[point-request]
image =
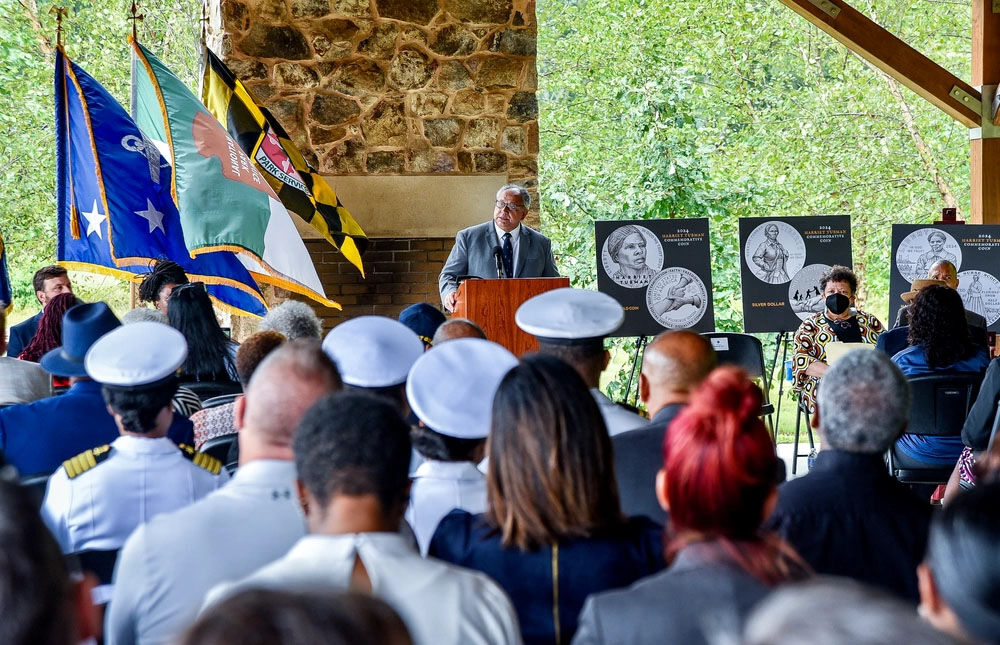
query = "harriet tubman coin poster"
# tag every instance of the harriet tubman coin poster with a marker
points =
(774, 251)
(660, 271)
(922, 248)
(974, 249)
(631, 256)
(804, 294)
(783, 259)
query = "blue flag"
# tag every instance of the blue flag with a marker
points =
(115, 210)
(6, 296)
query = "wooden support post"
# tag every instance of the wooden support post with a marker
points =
(984, 156)
(893, 56)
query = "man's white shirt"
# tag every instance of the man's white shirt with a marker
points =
(438, 487)
(616, 418)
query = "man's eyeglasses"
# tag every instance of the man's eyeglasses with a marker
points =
(506, 206)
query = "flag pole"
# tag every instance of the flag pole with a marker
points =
(60, 14)
(136, 17)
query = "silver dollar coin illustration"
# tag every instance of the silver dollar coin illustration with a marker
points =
(804, 295)
(631, 256)
(980, 293)
(676, 298)
(919, 250)
(774, 252)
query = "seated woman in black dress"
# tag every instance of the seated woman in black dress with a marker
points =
(211, 355)
(719, 481)
(553, 532)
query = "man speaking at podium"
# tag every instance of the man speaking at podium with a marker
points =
(500, 248)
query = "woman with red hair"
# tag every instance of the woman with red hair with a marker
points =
(718, 484)
(49, 334)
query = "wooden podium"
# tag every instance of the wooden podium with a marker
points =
(491, 304)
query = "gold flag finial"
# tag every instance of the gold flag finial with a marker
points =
(136, 17)
(204, 24)
(60, 14)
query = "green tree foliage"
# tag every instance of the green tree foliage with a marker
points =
(94, 36)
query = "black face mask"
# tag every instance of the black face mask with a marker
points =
(837, 303)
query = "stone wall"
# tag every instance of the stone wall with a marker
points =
(367, 87)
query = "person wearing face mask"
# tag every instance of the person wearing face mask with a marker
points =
(839, 321)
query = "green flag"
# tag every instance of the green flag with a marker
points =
(225, 203)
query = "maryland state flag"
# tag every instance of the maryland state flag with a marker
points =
(6, 296)
(297, 184)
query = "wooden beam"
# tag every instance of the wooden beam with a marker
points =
(893, 56)
(984, 149)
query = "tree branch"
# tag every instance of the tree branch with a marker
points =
(30, 8)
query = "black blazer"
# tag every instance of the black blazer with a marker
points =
(638, 457)
(21, 335)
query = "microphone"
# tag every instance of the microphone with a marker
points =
(498, 256)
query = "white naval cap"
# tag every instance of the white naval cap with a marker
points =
(451, 386)
(373, 351)
(569, 316)
(136, 354)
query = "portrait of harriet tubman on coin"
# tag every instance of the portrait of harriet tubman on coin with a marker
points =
(631, 256)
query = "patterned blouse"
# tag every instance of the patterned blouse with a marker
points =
(810, 346)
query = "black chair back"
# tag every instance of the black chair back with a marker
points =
(207, 390)
(100, 563)
(223, 399)
(742, 350)
(35, 485)
(225, 448)
(939, 406)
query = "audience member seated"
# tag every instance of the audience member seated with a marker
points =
(48, 283)
(673, 365)
(185, 402)
(941, 343)
(352, 452)
(20, 381)
(159, 283)
(269, 617)
(553, 528)
(943, 272)
(838, 322)
(898, 338)
(232, 532)
(217, 421)
(718, 480)
(837, 611)
(210, 356)
(423, 320)
(571, 325)
(959, 578)
(848, 516)
(49, 334)
(457, 328)
(374, 354)
(37, 437)
(97, 498)
(294, 320)
(976, 431)
(451, 438)
(39, 602)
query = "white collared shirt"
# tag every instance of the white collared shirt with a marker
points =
(438, 487)
(139, 479)
(616, 418)
(168, 565)
(515, 243)
(440, 603)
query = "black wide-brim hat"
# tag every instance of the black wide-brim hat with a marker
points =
(82, 325)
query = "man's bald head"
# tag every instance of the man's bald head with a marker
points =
(282, 388)
(945, 271)
(673, 365)
(457, 328)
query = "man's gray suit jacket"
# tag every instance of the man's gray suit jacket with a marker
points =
(473, 255)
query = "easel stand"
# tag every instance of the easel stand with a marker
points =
(781, 342)
(640, 345)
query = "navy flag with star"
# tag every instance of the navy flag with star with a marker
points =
(116, 213)
(6, 296)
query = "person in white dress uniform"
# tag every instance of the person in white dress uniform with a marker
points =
(253, 520)
(352, 451)
(451, 390)
(97, 498)
(571, 324)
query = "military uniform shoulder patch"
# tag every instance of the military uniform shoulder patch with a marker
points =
(76, 466)
(201, 459)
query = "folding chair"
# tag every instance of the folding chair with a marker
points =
(744, 351)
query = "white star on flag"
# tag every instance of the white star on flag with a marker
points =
(272, 138)
(285, 163)
(153, 216)
(94, 219)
